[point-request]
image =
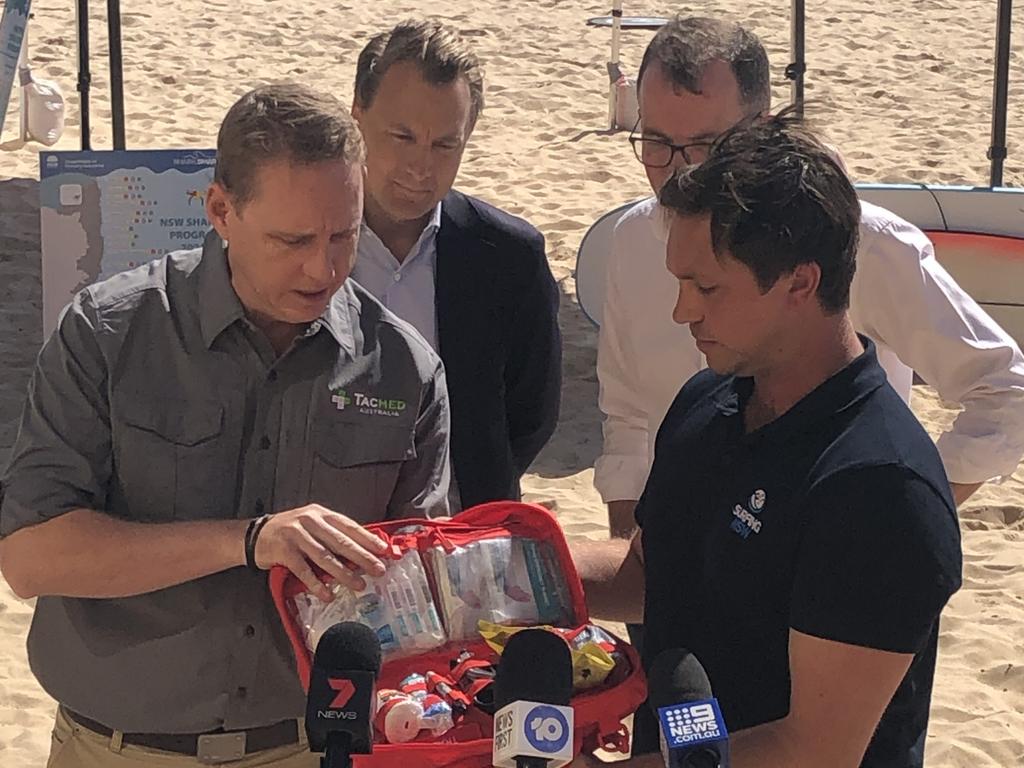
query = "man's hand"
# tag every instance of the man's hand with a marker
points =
(963, 491)
(314, 535)
(612, 573)
(621, 518)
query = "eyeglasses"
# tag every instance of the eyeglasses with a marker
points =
(659, 153)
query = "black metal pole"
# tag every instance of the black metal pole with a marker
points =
(116, 71)
(797, 66)
(84, 78)
(997, 149)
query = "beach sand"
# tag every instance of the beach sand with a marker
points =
(902, 88)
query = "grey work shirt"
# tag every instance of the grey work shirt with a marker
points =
(156, 401)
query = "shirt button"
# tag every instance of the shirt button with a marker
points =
(259, 506)
(250, 631)
(241, 692)
(264, 443)
(398, 276)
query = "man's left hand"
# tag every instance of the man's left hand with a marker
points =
(963, 491)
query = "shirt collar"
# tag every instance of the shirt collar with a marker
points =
(662, 218)
(429, 230)
(862, 376)
(434, 223)
(219, 305)
(337, 318)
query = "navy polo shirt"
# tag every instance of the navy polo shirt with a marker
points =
(835, 519)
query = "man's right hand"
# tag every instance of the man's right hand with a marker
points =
(621, 518)
(314, 535)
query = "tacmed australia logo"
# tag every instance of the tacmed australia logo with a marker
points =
(745, 520)
(340, 399)
(372, 405)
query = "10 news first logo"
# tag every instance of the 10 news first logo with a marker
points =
(689, 725)
(526, 729)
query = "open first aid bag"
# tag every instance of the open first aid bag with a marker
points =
(440, 611)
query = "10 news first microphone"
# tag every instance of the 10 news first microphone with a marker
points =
(533, 722)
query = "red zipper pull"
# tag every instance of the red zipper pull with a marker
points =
(438, 535)
(618, 741)
(393, 551)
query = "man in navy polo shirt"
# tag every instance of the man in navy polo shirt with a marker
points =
(797, 530)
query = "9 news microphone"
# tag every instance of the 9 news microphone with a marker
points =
(342, 698)
(693, 733)
(533, 723)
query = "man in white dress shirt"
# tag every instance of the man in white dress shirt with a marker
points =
(699, 77)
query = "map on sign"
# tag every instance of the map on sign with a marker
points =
(105, 212)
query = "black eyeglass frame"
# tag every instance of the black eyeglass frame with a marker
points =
(636, 139)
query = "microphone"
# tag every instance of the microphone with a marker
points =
(693, 733)
(533, 724)
(341, 700)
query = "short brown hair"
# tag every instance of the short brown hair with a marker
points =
(282, 122)
(685, 46)
(777, 198)
(441, 55)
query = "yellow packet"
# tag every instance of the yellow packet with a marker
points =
(591, 664)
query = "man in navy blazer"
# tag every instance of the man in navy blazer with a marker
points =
(473, 280)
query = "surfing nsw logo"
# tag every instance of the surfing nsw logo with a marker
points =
(745, 519)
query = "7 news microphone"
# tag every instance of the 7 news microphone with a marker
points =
(533, 722)
(342, 694)
(693, 733)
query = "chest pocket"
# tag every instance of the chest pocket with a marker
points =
(355, 467)
(173, 461)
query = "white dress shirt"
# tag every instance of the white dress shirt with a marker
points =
(901, 298)
(406, 287)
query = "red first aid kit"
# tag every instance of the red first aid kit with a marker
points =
(538, 585)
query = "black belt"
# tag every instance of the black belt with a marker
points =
(256, 739)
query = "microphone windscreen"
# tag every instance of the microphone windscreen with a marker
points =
(676, 677)
(349, 645)
(536, 665)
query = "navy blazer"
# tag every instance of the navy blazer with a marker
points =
(497, 330)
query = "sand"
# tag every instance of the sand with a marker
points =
(902, 88)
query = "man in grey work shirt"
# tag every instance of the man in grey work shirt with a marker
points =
(177, 403)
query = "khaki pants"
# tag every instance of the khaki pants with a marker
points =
(75, 747)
